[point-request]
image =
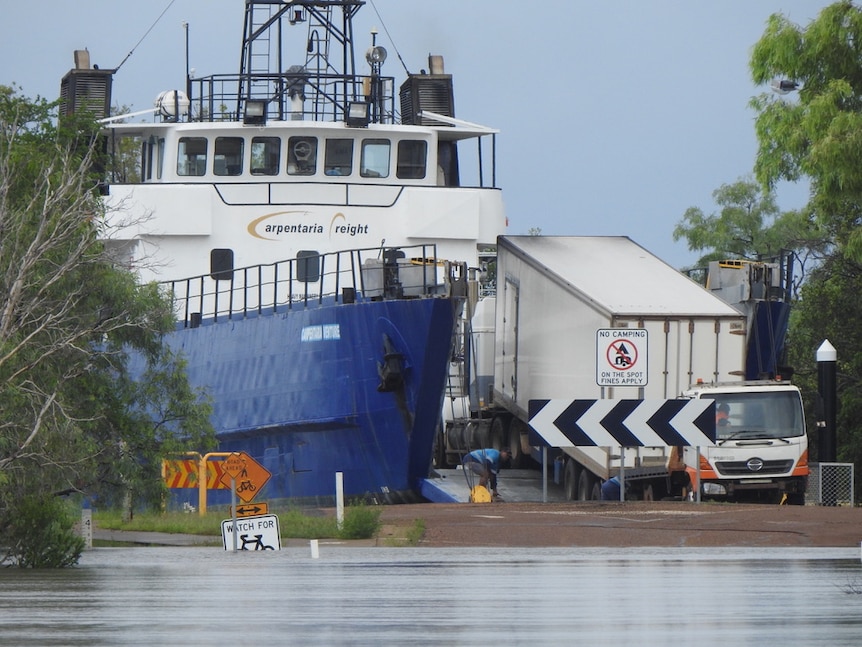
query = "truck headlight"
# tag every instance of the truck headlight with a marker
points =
(714, 489)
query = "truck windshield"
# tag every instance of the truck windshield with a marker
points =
(758, 414)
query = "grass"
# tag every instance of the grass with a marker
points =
(360, 522)
(170, 522)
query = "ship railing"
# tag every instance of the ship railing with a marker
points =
(343, 277)
(219, 97)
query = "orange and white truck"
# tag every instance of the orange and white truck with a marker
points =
(538, 338)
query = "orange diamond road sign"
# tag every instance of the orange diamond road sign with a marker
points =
(250, 475)
(184, 474)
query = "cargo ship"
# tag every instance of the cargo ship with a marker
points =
(316, 226)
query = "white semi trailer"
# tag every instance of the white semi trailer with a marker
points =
(557, 300)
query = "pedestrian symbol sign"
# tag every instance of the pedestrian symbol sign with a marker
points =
(233, 465)
(621, 357)
(249, 475)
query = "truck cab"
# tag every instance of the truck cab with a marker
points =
(761, 449)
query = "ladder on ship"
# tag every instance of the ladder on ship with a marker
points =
(256, 54)
(455, 380)
(327, 82)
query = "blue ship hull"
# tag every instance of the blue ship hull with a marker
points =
(302, 392)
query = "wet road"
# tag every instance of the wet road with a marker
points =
(441, 596)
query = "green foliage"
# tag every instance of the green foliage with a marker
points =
(169, 522)
(818, 132)
(296, 524)
(39, 532)
(416, 532)
(750, 226)
(828, 311)
(124, 166)
(360, 522)
(74, 419)
(740, 230)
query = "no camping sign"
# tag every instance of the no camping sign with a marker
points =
(621, 357)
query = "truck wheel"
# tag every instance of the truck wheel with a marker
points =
(570, 481)
(514, 444)
(649, 495)
(499, 432)
(797, 498)
(586, 484)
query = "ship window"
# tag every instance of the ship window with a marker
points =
(160, 158)
(375, 158)
(153, 152)
(412, 159)
(221, 264)
(308, 266)
(339, 157)
(192, 156)
(147, 159)
(301, 155)
(228, 156)
(265, 155)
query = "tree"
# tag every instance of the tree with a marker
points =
(125, 158)
(75, 418)
(750, 226)
(828, 311)
(816, 133)
(741, 230)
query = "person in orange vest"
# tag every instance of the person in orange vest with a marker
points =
(722, 415)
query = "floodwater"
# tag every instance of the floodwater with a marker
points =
(429, 596)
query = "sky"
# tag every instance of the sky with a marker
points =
(615, 117)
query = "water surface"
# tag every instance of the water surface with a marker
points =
(439, 596)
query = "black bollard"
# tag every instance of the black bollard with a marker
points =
(827, 447)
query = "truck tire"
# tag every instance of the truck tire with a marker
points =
(648, 494)
(514, 444)
(570, 480)
(480, 437)
(499, 432)
(797, 498)
(588, 487)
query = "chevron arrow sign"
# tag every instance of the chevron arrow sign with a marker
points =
(622, 423)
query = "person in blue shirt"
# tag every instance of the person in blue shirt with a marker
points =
(486, 464)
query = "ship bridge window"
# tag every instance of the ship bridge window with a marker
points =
(374, 161)
(228, 156)
(265, 155)
(152, 152)
(192, 156)
(339, 157)
(301, 156)
(160, 157)
(147, 159)
(412, 159)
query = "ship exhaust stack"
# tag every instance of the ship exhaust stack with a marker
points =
(427, 92)
(86, 88)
